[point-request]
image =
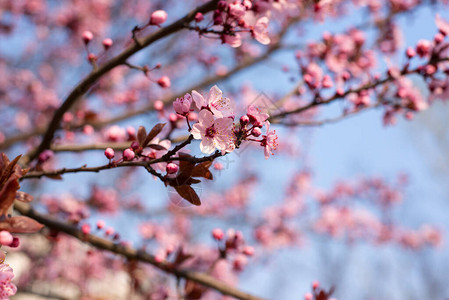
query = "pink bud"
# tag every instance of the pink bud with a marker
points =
(107, 43)
(100, 224)
(5, 238)
(244, 120)
(308, 296)
(128, 154)
(158, 17)
(315, 284)
(239, 262)
(217, 234)
(131, 131)
(172, 168)
(158, 105)
(173, 118)
(88, 129)
(430, 69)
(193, 116)
(164, 82)
(410, 52)
(109, 231)
(409, 115)
(15, 242)
(87, 36)
(109, 153)
(438, 38)
(248, 251)
(218, 166)
(327, 82)
(135, 145)
(91, 57)
(256, 131)
(85, 228)
(199, 17)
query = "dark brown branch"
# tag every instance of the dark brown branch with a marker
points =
(145, 164)
(132, 254)
(96, 74)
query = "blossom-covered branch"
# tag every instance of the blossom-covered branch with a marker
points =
(132, 254)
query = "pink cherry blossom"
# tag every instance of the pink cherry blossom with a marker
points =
(220, 106)
(269, 141)
(234, 41)
(256, 116)
(259, 32)
(443, 25)
(7, 288)
(182, 104)
(214, 134)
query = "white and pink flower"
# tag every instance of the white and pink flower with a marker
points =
(260, 32)
(182, 104)
(214, 133)
(269, 141)
(220, 106)
(7, 288)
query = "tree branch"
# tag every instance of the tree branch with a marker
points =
(131, 253)
(96, 74)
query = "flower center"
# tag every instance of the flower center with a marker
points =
(210, 132)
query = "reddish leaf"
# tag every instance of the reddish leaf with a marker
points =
(156, 147)
(185, 171)
(193, 290)
(181, 256)
(141, 136)
(90, 116)
(24, 197)
(186, 192)
(8, 168)
(155, 131)
(20, 224)
(202, 170)
(8, 194)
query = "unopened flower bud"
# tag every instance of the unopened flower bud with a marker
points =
(248, 251)
(164, 82)
(107, 43)
(5, 238)
(158, 105)
(308, 296)
(173, 118)
(315, 284)
(244, 120)
(172, 168)
(199, 17)
(100, 224)
(87, 36)
(410, 52)
(85, 228)
(135, 145)
(91, 57)
(158, 17)
(256, 131)
(15, 242)
(217, 234)
(109, 153)
(128, 154)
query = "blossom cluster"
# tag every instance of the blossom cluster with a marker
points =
(235, 17)
(216, 128)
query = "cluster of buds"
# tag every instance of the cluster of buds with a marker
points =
(233, 243)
